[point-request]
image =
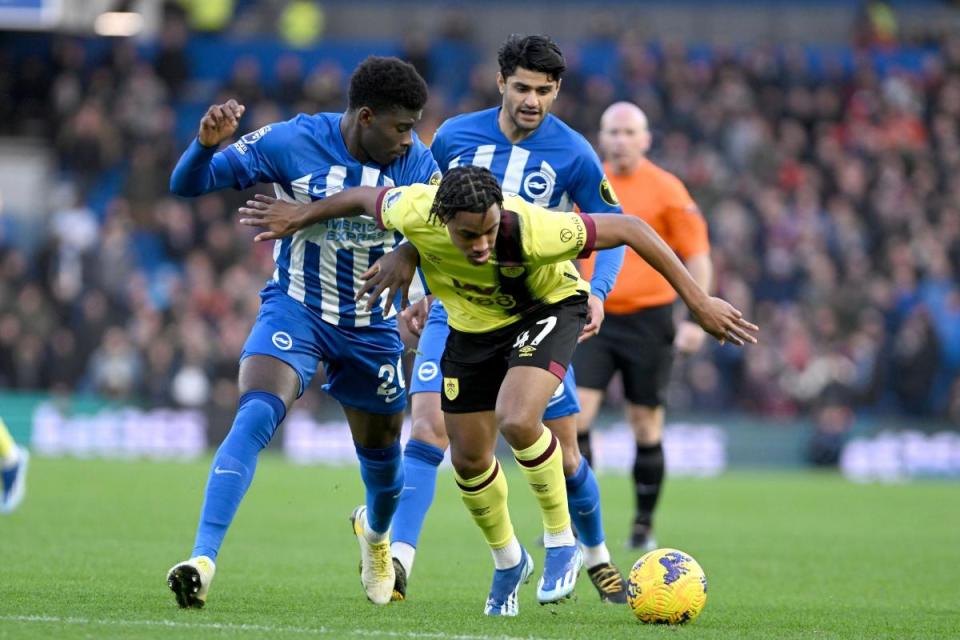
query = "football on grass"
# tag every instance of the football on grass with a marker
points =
(667, 586)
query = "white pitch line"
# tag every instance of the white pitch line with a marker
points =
(227, 626)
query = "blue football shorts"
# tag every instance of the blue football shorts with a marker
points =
(362, 364)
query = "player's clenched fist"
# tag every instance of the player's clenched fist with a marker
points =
(220, 122)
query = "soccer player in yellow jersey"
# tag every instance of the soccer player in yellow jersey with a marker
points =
(13, 471)
(516, 305)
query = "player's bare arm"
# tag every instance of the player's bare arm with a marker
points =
(690, 336)
(716, 316)
(220, 122)
(280, 218)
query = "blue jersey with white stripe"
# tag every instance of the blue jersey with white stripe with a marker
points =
(307, 159)
(554, 167)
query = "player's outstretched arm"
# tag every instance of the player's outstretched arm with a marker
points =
(197, 172)
(716, 316)
(280, 219)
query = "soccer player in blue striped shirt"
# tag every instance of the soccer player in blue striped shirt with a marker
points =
(536, 156)
(307, 313)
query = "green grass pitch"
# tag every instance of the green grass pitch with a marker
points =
(786, 555)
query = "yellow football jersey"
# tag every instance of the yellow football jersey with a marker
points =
(531, 264)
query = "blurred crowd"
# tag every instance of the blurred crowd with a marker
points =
(833, 214)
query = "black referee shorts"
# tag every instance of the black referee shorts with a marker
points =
(475, 364)
(640, 346)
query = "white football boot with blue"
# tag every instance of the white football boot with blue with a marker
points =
(561, 566)
(502, 600)
(14, 480)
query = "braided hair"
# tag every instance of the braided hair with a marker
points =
(465, 188)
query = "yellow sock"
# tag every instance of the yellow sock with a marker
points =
(7, 447)
(542, 464)
(486, 498)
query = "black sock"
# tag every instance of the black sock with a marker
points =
(583, 442)
(647, 479)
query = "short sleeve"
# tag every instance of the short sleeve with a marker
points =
(422, 168)
(398, 208)
(550, 237)
(438, 148)
(256, 156)
(386, 213)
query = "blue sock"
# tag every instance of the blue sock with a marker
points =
(382, 473)
(420, 462)
(583, 499)
(258, 415)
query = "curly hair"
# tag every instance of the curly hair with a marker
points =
(386, 84)
(465, 188)
(535, 53)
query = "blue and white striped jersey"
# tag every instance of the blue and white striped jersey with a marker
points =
(555, 167)
(306, 159)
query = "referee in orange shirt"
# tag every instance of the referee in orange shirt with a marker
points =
(638, 337)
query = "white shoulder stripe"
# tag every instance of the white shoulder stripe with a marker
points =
(513, 178)
(484, 155)
(335, 178)
(369, 177)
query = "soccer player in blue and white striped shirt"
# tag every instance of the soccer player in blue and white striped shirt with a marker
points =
(308, 313)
